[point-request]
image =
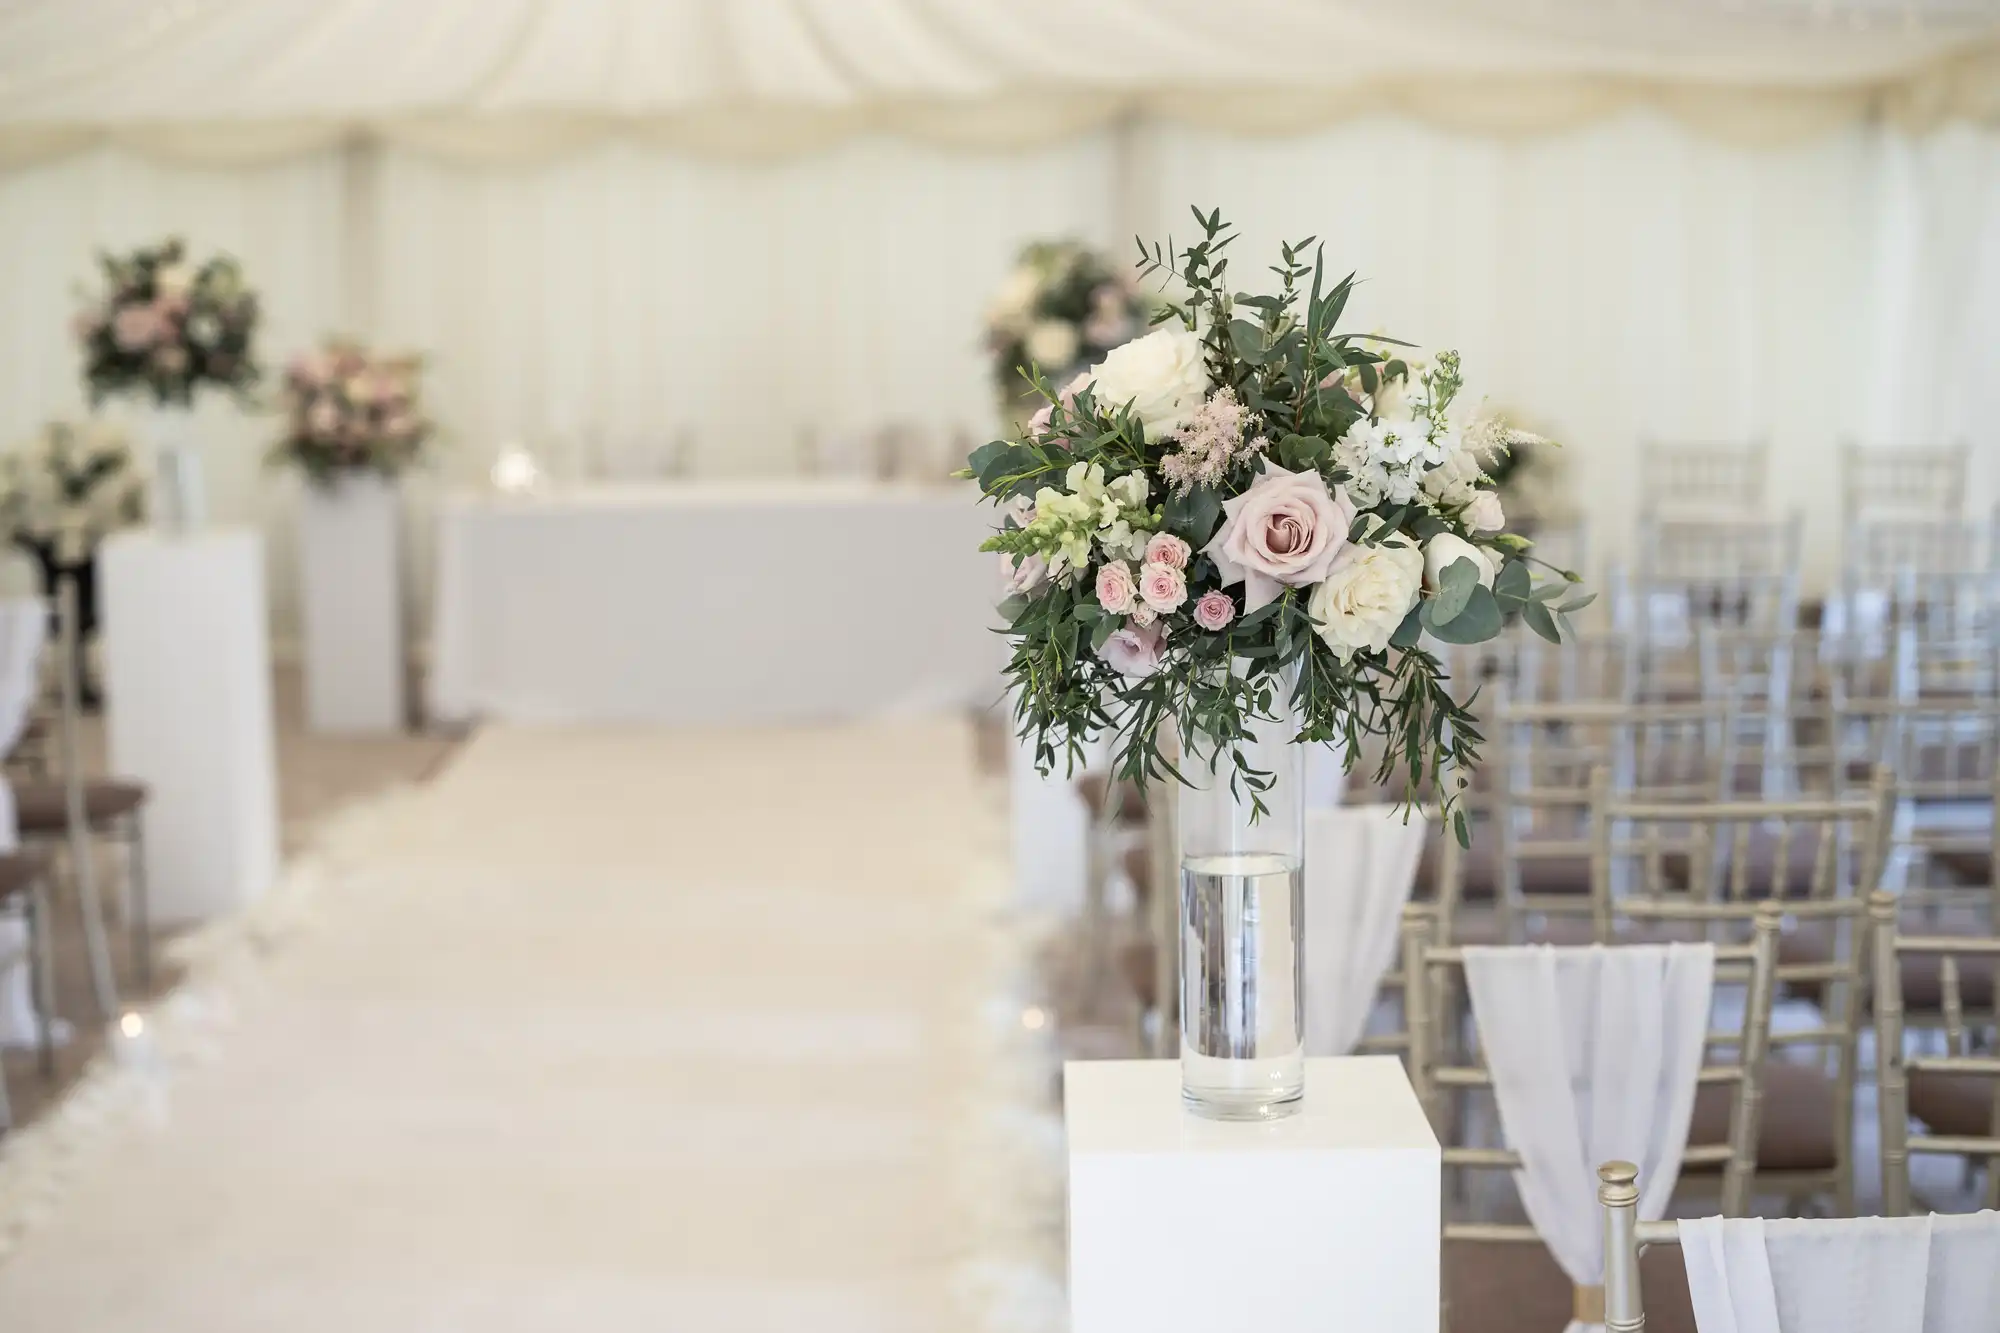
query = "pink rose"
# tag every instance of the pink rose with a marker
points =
(1135, 651)
(1167, 549)
(1162, 586)
(1117, 591)
(1214, 610)
(135, 327)
(1025, 577)
(1285, 531)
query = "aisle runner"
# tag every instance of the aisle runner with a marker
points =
(601, 1032)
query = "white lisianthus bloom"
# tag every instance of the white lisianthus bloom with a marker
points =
(1446, 549)
(1484, 514)
(1365, 597)
(204, 330)
(1162, 377)
(1053, 343)
(1452, 482)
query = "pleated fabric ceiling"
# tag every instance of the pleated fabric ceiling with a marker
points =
(243, 80)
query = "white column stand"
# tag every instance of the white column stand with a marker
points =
(351, 600)
(187, 673)
(1326, 1219)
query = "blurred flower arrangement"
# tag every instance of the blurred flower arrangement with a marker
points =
(1245, 502)
(163, 326)
(348, 409)
(1061, 307)
(70, 486)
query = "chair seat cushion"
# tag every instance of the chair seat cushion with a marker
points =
(1967, 867)
(1923, 973)
(20, 869)
(1511, 1287)
(1952, 1104)
(1795, 1132)
(42, 807)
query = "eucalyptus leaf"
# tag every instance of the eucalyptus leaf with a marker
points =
(1514, 583)
(1576, 604)
(1194, 515)
(1409, 631)
(1477, 622)
(1455, 587)
(1541, 622)
(1106, 627)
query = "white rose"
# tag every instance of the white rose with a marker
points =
(1445, 549)
(1451, 483)
(1366, 595)
(1015, 300)
(1161, 376)
(173, 279)
(1484, 514)
(1053, 343)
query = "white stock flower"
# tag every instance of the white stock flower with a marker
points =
(1053, 343)
(1365, 597)
(1446, 549)
(1161, 376)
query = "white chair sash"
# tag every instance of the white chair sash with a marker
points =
(1361, 862)
(1864, 1274)
(23, 628)
(1594, 1054)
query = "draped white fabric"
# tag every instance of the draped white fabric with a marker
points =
(1936, 1274)
(1594, 1054)
(23, 627)
(1628, 279)
(483, 79)
(1361, 862)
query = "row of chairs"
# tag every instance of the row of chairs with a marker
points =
(64, 819)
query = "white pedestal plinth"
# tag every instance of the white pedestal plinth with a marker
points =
(1326, 1220)
(187, 673)
(350, 572)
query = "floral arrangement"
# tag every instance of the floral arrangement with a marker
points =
(348, 409)
(164, 326)
(1245, 503)
(65, 490)
(1062, 306)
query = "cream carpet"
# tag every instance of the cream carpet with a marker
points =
(600, 1031)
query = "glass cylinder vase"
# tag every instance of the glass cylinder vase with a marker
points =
(180, 497)
(1242, 922)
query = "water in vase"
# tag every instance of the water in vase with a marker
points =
(1242, 992)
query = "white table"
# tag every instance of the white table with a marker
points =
(1328, 1219)
(187, 673)
(714, 602)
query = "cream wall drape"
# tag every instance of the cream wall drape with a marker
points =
(1626, 278)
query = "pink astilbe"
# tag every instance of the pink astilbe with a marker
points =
(1210, 444)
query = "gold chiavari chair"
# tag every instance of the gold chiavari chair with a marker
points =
(1903, 479)
(1957, 1094)
(1496, 1274)
(1710, 870)
(1533, 859)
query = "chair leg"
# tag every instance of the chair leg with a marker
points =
(42, 965)
(142, 910)
(96, 940)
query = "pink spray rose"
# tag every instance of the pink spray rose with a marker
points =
(1135, 651)
(1167, 549)
(1117, 591)
(1163, 587)
(1027, 576)
(1214, 611)
(1285, 531)
(135, 327)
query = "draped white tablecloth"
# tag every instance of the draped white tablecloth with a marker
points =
(714, 602)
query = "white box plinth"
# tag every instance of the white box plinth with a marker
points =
(1326, 1220)
(187, 675)
(351, 599)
